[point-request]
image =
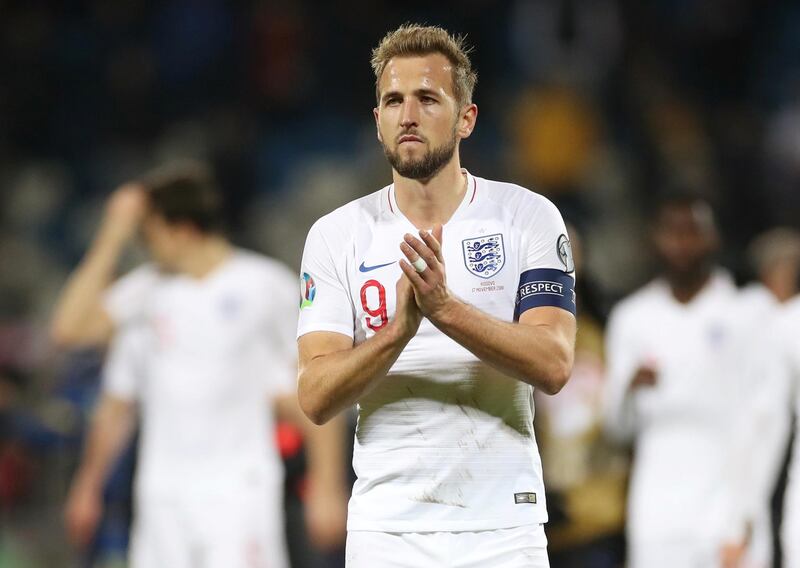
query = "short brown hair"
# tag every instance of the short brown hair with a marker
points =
(777, 245)
(186, 192)
(414, 40)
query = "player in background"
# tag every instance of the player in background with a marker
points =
(782, 361)
(202, 350)
(775, 257)
(675, 388)
(437, 304)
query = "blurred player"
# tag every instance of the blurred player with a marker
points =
(202, 339)
(783, 359)
(441, 349)
(674, 386)
(775, 256)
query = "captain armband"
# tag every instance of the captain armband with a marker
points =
(544, 287)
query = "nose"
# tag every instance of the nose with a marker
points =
(410, 114)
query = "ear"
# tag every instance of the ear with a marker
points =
(466, 121)
(376, 114)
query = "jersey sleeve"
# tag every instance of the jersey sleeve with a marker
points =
(622, 361)
(547, 269)
(122, 369)
(765, 395)
(282, 326)
(125, 299)
(325, 303)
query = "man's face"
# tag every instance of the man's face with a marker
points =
(164, 241)
(685, 237)
(418, 118)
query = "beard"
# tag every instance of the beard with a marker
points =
(426, 166)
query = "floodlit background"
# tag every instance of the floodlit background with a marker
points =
(598, 104)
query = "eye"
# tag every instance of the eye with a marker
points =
(427, 100)
(392, 101)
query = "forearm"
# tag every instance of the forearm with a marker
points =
(539, 355)
(324, 444)
(325, 454)
(334, 381)
(111, 429)
(326, 497)
(538, 350)
(81, 299)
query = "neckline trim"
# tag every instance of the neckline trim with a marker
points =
(464, 203)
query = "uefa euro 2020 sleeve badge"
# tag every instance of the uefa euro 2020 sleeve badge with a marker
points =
(564, 248)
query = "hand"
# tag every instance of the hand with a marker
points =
(732, 555)
(125, 210)
(406, 314)
(83, 512)
(326, 516)
(430, 286)
(644, 377)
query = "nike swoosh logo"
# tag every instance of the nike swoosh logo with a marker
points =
(364, 268)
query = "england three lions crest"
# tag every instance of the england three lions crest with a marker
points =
(484, 256)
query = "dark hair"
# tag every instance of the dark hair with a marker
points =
(186, 193)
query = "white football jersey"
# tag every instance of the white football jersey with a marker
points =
(784, 359)
(203, 358)
(444, 442)
(767, 432)
(685, 476)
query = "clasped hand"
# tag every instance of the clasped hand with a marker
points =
(428, 281)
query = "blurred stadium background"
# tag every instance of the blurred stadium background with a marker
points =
(598, 104)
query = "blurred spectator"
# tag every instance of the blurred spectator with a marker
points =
(556, 132)
(574, 41)
(15, 465)
(782, 163)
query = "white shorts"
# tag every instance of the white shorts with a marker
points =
(519, 547)
(244, 530)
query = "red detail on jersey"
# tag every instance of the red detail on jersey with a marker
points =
(389, 198)
(474, 190)
(379, 312)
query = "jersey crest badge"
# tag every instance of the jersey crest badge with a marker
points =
(484, 256)
(230, 306)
